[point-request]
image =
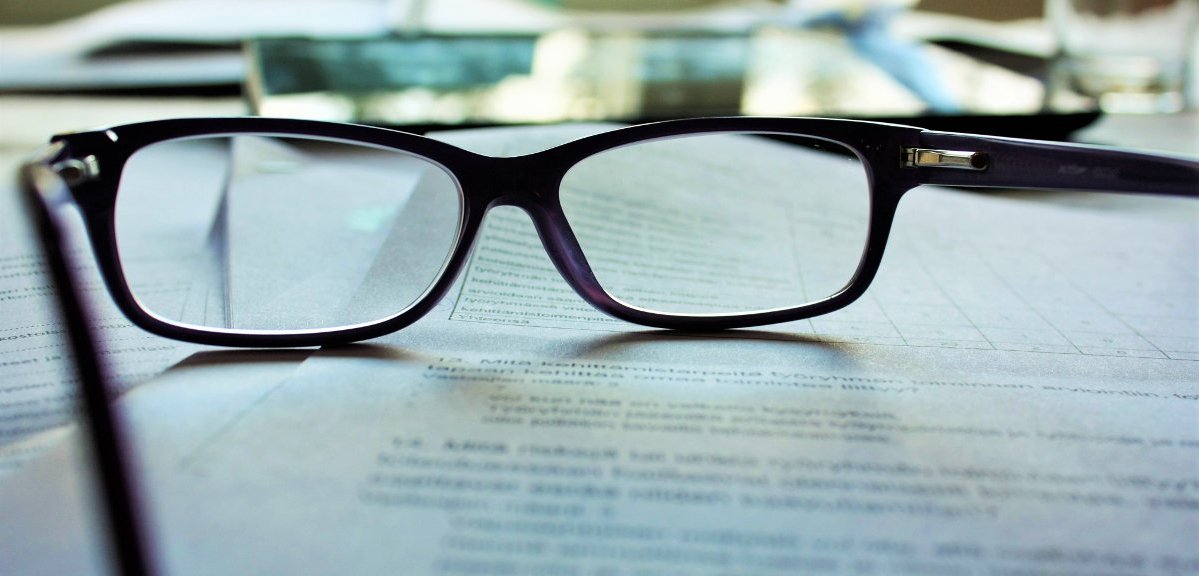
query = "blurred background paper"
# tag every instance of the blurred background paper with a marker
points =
(149, 43)
(580, 75)
(194, 42)
(376, 61)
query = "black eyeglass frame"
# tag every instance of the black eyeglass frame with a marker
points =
(896, 159)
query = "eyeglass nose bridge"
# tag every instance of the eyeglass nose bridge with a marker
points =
(529, 183)
(521, 181)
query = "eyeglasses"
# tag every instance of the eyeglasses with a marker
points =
(273, 232)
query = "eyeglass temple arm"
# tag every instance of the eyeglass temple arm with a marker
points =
(995, 162)
(45, 194)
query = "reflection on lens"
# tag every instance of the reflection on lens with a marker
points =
(258, 232)
(720, 223)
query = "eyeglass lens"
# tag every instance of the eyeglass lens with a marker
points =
(720, 223)
(257, 232)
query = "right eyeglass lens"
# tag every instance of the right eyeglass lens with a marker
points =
(721, 223)
(271, 232)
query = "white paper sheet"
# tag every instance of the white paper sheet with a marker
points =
(496, 464)
(1015, 395)
(56, 492)
(37, 385)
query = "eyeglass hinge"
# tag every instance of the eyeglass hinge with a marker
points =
(958, 159)
(74, 171)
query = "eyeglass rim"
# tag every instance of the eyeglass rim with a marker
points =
(486, 182)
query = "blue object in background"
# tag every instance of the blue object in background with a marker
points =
(869, 32)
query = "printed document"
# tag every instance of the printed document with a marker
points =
(1016, 394)
(37, 386)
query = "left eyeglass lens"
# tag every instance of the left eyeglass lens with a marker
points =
(268, 232)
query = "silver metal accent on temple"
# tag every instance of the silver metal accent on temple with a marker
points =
(958, 159)
(77, 170)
